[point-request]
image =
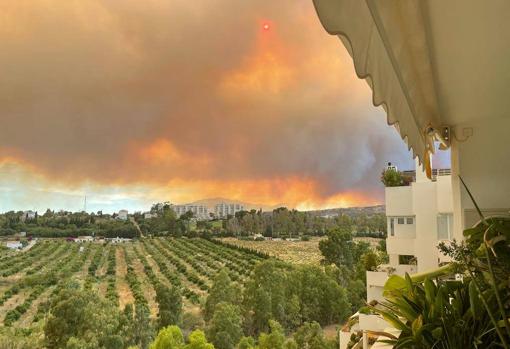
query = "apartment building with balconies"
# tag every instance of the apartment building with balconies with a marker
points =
(199, 211)
(222, 210)
(419, 217)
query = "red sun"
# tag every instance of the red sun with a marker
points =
(266, 26)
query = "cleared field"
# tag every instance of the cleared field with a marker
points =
(296, 252)
(124, 273)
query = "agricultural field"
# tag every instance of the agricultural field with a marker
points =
(295, 252)
(124, 273)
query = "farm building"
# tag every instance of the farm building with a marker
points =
(15, 245)
(118, 240)
(80, 239)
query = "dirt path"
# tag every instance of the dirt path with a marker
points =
(26, 319)
(12, 303)
(103, 264)
(136, 226)
(125, 295)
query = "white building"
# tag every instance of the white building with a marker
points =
(199, 211)
(14, 245)
(123, 215)
(222, 210)
(148, 215)
(28, 215)
(419, 217)
(118, 240)
(81, 239)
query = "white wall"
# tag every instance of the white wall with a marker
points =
(425, 208)
(399, 201)
(483, 161)
(444, 196)
(399, 246)
(404, 231)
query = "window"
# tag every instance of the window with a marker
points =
(409, 220)
(392, 226)
(406, 259)
(444, 226)
(400, 220)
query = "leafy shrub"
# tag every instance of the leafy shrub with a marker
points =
(393, 178)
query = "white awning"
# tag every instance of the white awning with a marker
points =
(430, 63)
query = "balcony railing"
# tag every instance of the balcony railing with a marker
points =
(407, 177)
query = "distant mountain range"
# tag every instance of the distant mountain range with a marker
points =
(212, 202)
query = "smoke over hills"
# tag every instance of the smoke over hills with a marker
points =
(180, 100)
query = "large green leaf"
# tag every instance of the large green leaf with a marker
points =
(393, 320)
(476, 306)
(416, 325)
(395, 282)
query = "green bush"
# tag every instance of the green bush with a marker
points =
(394, 178)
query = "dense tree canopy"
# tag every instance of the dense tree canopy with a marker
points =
(170, 305)
(223, 290)
(83, 320)
(225, 328)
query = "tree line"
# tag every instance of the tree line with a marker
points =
(66, 224)
(280, 223)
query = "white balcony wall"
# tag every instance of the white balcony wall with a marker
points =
(376, 278)
(404, 231)
(402, 269)
(375, 284)
(444, 194)
(372, 322)
(399, 201)
(425, 204)
(344, 339)
(398, 246)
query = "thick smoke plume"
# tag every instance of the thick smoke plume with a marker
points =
(196, 98)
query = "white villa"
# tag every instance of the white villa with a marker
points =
(14, 245)
(28, 215)
(123, 215)
(81, 239)
(118, 240)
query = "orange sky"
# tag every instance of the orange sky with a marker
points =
(131, 102)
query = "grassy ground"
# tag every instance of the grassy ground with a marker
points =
(297, 252)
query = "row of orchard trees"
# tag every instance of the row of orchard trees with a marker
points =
(284, 306)
(277, 306)
(276, 302)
